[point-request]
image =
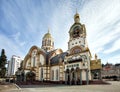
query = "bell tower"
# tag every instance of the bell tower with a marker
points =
(47, 42)
(78, 58)
(77, 36)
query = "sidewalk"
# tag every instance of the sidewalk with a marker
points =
(8, 87)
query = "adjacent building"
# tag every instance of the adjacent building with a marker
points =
(96, 67)
(50, 64)
(111, 71)
(13, 65)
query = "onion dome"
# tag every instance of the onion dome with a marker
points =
(47, 42)
(47, 35)
(76, 18)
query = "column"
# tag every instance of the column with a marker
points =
(100, 77)
(80, 77)
(92, 75)
(70, 78)
(20, 77)
(87, 78)
(75, 77)
(66, 75)
(25, 77)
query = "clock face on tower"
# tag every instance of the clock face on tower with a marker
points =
(76, 32)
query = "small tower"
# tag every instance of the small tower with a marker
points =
(79, 55)
(47, 42)
(77, 33)
(76, 18)
(96, 57)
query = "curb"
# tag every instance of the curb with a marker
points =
(17, 86)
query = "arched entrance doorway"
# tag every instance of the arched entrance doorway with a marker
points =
(96, 74)
(73, 76)
(30, 76)
(67, 76)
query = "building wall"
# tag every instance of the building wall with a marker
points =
(54, 75)
(83, 75)
(9, 68)
(110, 70)
(77, 42)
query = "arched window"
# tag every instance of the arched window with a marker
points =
(57, 74)
(76, 32)
(42, 43)
(45, 42)
(34, 61)
(53, 44)
(42, 74)
(49, 42)
(84, 57)
(52, 74)
(75, 50)
(33, 58)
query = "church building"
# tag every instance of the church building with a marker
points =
(50, 64)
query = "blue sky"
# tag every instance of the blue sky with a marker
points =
(23, 23)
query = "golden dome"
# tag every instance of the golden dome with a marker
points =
(76, 15)
(47, 35)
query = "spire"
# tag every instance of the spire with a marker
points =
(76, 17)
(76, 11)
(48, 30)
(95, 56)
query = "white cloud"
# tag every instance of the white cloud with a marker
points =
(114, 59)
(10, 47)
(16, 36)
(115, 47)
(22, 43)
(100, 23)
(28, 22)
(104, 39)
(60, 24)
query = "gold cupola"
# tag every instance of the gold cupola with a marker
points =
(47, 35)
(76, 17)
(48, 42)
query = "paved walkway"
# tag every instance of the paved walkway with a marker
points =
(8, 88)
(114, 87)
